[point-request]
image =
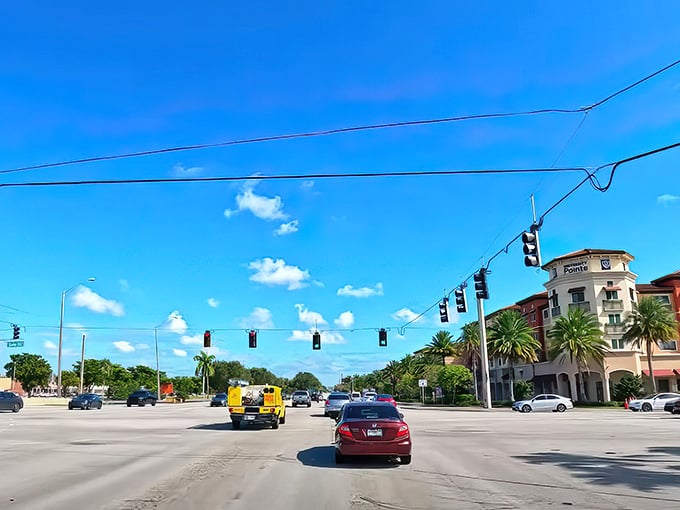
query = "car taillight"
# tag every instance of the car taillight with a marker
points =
(345, 431)
(328, 402)
(231, 409)
(403, 430)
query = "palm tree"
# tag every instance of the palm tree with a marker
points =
(441, 346)
(205, 367)
(467, 344)
(511, 337)
(409, 365)
(578, 337)
(652, 322)
(392, 372)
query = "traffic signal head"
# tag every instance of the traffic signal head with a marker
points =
(206, 338)
(481, 288)
(382, 337)
(17, 332)
(252, 339)
(444, 310)
(532, 248)
(461, 303)
(316, 341)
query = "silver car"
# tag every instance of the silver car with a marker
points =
(544, 402)
(655, 401)
(334, 404)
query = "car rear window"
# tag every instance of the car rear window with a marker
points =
(338, 396)
(371, 412)
(300, 393)
(384, 395)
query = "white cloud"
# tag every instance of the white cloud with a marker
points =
(345, 320)
(86, 298)
(259, 318)
(179, 353)
(362, 292)
(667, 199)
(192, 340)
(124, 346)
(50, 346)
(276, 272)
(214, 350)
(287, 228)
(124, 285)
(307, 184)
(265, 208)
(327, 337)
(175, 323)
(406, 315)
(310, 318)
(212, 302)
(76, 326)
(142, 347)
(179, 170)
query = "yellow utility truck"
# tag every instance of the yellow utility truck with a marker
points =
(255, 404)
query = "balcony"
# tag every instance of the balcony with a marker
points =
(583, 305)
(612, 305)
(555, 311)
(617, 327)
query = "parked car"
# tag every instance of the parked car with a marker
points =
(334, 403)
(10, 401)
(86, 401)
(372, 428)
(141, 398)
(655, 401)
(302, 398)
(219, 400)
(384, 397)
(545, 402)
(672, 406)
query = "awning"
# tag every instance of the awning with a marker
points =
(576, 289)
(612, 289)
(663, 372)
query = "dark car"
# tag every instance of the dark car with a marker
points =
(10, 401)
(372, 428)
(141, 398)
(219, 400)
(86, 401)
(672, 407)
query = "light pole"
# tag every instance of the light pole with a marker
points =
(61, 327)
(158, 370)
(82, 364)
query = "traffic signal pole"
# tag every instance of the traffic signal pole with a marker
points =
(484, 353)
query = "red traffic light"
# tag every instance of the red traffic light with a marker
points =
(206, 338)
(252, 339)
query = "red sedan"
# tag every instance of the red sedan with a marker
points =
(372, 428)
(384, 397)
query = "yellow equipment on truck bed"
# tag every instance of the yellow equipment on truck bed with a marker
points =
(256, 404)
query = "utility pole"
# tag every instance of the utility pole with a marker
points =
(158, 372)
(486, 387)
(82, 364)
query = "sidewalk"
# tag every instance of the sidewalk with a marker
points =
(440, 407)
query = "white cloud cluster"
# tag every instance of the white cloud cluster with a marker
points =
(192, 340)
(287, 228)
(84, 297)
(276, 272)
(362, 292)
(327, 337)
(179, 170)
(262, 207)
(259, 318)
(667, 199)
(308, 317)
(315, 320)
(175, 323)
(213, 303)
(406, 315)
(345, 320)
(179, 353)
(124, 346)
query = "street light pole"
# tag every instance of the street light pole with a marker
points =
(158, 370)
(82, 364)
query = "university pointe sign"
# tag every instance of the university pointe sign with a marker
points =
(576, 267)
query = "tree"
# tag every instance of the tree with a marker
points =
(95, 372)
(467, 345)
(69, 379)
(187, 385)
(144, 377)
(511, 337)
(453, 379)
(523, 390)
(304, 380)
(651, 322)
(628, 387)
(31, 370)
(261, 375)
(392, 372)
(579, 338)
(205, 367)
(441, 346)
(225, 370)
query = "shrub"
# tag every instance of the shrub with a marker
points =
(466, 400)
(523, 390)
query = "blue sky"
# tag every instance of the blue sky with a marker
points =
(340, 254)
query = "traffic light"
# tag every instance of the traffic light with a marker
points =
(252, 339)
(444, 310)
(316, 341)
(481, 288)
(206, 338)
(17, 332)
(532, 248)
(461, 303)
(382, 337)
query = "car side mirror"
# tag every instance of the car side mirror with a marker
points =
(401, 416)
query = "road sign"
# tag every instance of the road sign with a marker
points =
(20, 343)
(422, 383)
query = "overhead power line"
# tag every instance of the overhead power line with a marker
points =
(335, 131)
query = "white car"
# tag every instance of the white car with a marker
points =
(369, 396)
(544, 402)
(653, 402)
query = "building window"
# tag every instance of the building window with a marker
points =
(612, 294)
(668, 345)
(610, 283)
(533, 317)
(555, 299)
(624, 266)
(618, 343)
(614, 318)
(553, 273)
(578, 297)
(663, 299)
(545, 313)
(632, 295)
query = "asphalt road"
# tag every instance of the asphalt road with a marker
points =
(187, 456)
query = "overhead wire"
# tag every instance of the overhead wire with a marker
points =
(350, 129)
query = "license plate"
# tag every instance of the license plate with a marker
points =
(249, 417)
(374, 433)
